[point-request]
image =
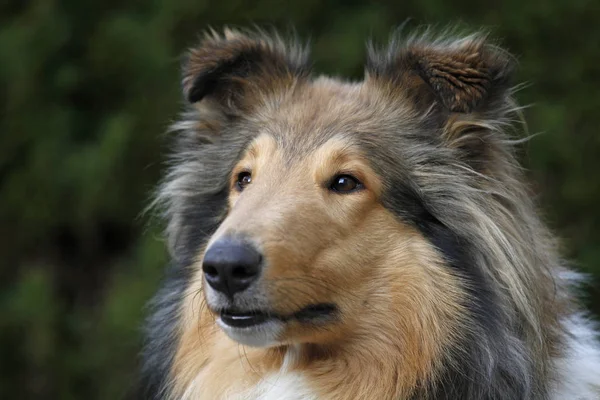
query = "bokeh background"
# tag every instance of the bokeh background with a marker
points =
(87, 89)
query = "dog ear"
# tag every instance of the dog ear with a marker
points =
(229, 68)
(458, 75)
(460, 86)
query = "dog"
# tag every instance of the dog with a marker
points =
(358, 240)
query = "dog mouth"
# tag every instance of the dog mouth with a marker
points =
(237, 319)
(316, 313)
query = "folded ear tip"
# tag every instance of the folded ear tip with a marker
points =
(231, 64)
(194, 78)
(197, 89)
(464, 72)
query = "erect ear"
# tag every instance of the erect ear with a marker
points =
(462, 86)
(457, 75)
(229, 68)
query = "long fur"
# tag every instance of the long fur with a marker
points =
(451, 173)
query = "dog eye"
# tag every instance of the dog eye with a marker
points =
(345, 184)
(243, 179)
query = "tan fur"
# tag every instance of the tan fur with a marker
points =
(387, 331)
(400, 307)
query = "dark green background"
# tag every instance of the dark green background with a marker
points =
(87, 89)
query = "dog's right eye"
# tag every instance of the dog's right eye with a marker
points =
(345, 184)
(243, 179)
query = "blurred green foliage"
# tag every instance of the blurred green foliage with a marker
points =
(87, 89)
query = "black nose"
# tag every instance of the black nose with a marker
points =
(230, 266)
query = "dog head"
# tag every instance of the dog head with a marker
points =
(312, 209)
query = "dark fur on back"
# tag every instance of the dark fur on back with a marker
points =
(452, 173)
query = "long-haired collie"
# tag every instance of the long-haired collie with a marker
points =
(358, 240)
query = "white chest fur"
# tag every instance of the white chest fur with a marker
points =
(284, 384)
(280, 386)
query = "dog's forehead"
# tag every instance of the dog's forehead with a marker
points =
(313, 114)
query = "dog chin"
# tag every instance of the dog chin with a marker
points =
(265, 334)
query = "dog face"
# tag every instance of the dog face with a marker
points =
(324, 224)
(322, 221)
(307, 247)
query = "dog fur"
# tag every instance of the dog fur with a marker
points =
(445, 282)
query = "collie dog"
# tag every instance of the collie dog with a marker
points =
(358, 240)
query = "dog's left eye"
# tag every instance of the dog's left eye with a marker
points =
(345, 184)
(243, 179)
